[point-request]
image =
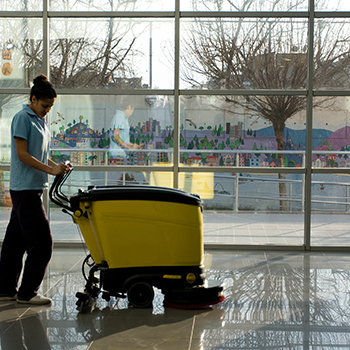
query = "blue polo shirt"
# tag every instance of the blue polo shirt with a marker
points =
(26, 125)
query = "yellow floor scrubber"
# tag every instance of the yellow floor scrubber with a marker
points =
(140, 237)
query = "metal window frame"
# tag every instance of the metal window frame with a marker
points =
(177, 15)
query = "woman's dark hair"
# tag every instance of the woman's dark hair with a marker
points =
(42, 88)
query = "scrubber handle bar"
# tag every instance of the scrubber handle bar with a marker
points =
(55, 192)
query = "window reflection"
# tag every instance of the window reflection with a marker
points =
(242, 5)
(243, 131)
(20, 5)
(20, 51)
(113, 130)
(256, 53)
(114, 5)
(113, 53)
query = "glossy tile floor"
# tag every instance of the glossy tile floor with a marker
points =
(274, 300)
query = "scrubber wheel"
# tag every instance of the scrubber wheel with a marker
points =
(140, 295)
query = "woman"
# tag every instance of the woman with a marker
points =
(28, 230)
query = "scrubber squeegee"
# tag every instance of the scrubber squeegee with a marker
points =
(198, 297)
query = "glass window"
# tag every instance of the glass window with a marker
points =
(339, 5)
(21, 5)
(21, 51)
(112, 5)
(243, 131)
(256, 53)
(244, 208)
(244, 192)
(10, 104)
(330, 192)
(330, 134)
(114, 53)
(116, 136)
(331, 54)
(243, 5)
(330, 220)
(5, 201)
(113, 130)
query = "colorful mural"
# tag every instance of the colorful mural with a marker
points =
(204, 146)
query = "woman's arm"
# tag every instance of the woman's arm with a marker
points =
(28, 159)
(51, 163)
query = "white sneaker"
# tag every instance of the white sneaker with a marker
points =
(37, 300)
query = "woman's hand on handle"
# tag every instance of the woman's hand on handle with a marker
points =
(60, 169)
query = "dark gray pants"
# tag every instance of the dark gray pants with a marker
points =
(28, 231)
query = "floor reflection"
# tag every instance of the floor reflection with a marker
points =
(26, 332)
(274, 300)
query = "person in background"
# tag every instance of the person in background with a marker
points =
(120, 140)
(28, 230)
(120, 132)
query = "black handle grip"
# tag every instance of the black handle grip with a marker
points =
(55, 195)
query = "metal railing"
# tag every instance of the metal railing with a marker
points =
(233, 196)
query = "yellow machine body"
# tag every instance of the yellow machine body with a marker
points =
(140, 237)
(139, 233)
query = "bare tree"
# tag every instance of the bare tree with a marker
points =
(267, 54)
(79, 62)
(99, 57)
(93, 53)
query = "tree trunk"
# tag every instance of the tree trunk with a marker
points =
(281, 184)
